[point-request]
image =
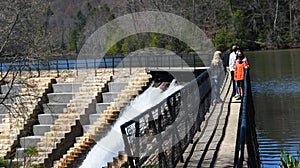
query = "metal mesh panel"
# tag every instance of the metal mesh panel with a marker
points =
(159, 136)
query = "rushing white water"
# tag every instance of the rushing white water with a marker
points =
(109, 146)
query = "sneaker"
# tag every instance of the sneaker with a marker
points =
(239, 97)
(217, 101)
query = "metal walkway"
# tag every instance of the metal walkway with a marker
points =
(214, 145)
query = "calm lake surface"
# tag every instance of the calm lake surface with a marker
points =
(275, 77)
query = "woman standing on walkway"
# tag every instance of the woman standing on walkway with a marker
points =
(216, 73)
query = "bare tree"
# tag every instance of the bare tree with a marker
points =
(22, 40)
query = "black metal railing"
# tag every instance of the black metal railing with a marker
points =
(69, 63)
(247, 130)
(159, 136)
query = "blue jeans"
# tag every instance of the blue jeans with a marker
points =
(216, 88)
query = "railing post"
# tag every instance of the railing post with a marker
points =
(38, 68)
(194, 60)
(68, 67)
(181, 61)
(86, 64)
(95, 66)
(157, 63)
(137, 135)
(57, 67)
(113, 65)
(104, 60)
(127, 148)
(169, 61)
(130, 64)
(76, 67)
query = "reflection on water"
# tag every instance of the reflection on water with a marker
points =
(285, 86)
(276, 95)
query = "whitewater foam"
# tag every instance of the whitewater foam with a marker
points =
(109, 146)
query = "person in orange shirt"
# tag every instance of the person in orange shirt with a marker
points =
(239, 73)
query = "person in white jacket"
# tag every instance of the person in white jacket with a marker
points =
(232, 59)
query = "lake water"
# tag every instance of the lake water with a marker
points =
(275, 77)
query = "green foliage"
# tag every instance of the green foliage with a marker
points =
(74, 40)
(222, 39)
(288, 161)
(129, 44)
(111, 17)
(105, 7)
(225, 39)
(156, 41)
(49, 12)
(114, 50)
(80, 21)
(3, 163)
(31, 151)
(36, 166)
(125, 48)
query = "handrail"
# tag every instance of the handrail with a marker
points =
(247, 133)
(154, 122)
(69, 63)
(242, 135)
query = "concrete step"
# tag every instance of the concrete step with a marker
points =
(109, 96)
(41, 129)
(2, 116)
(47, 118)
(30, 141)
(69, 119)
(56, 108)
(90, 89)
(100, 107)
(86, 128)
(116, 86)
(66, 87)
(72, 109)
(78, 100)
(84, 119)
(39, 80)
(65, 128)
(14, 89)
(77, 105)
(4, 108)
(7, 100)
(20, 154)
(55, 136)
(93, 118)
(84, 95)
(33, 91)
(60, 97)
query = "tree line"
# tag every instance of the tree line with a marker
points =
(40, 27)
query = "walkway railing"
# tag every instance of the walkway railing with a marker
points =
(247, 131)
(69, 63)
(160, 135)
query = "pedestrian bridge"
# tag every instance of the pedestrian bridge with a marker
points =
(211, 135)
(184, 130)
